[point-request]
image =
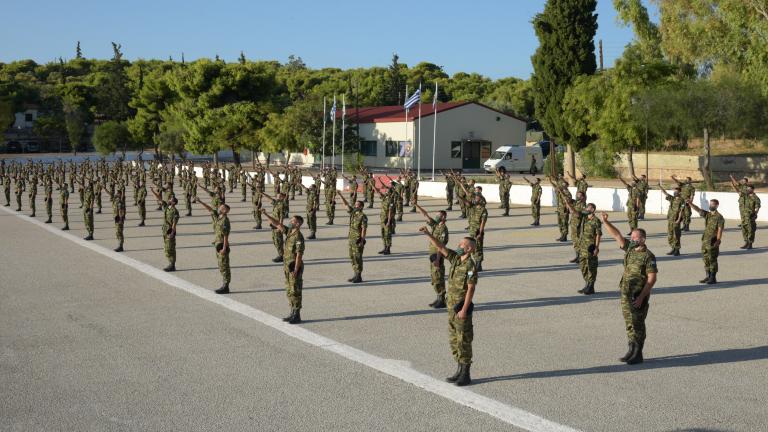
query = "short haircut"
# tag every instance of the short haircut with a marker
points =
(750, 187)
(299, 219)
(592, 205)
(479, 187)
(471, 241)
(226, 206)
(641, 231)
(443, 213)
(715, 201)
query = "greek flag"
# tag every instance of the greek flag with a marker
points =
(333, 109)
(414, 99)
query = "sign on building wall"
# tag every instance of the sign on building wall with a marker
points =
(406, 149)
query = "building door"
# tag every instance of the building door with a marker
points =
(474, 152)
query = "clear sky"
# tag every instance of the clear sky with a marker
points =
(491, 37)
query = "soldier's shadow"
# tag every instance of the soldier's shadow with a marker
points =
(671, 361)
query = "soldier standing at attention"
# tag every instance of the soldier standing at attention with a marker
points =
(387, 219)
(450, 184)
(633, 204)
(414, 192)
(504, 185)
(330, 199)
(358, 227)
(535, 200)
(639, 277)
(170, 220)
(33, 194)
(313, 205)
(64, 204)
(563, 216)
(278, 212)
(118, 210)
(98, 187)
(714, 223)
(141, 201)
(576, 209)
(221, 228)
(751, 209)
(48, 198)
(257, 188)
(462, 281)
(7, 189)
(439, 230)
(20, 187)
(687, 192)
(88, 208)
(293, 263)
(674, 218)
(588, 241)
(370, 189)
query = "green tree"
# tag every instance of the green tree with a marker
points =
(109, 136)
(395, 82)
(512, 95)
(78, 51)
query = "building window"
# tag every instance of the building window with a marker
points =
(391, 148)
(455, 149)
(28, 117)
(368, 148)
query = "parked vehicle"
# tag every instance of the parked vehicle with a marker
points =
(13, 147)
(515, 159)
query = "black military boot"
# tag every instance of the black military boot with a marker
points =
(170, 268)
(590, 289)
(89, 237)
(98, 211)
(311, 235)
(296, 317)
(671, 252)
(257, 227)
(712, 280)
(581, 291)
(706, 279)
(450, 208)
(290, 315)
(358, 278)
(626, 356)
(676, 252)
(141, 224)
(66, 228)
(637, 354)
(381, 252)
(277, 259)
(119, 248)
(749, 246)
(440, 302)
(32, 215)
(224, 289)
(455, 376)
(744, 246)
(464, 377)
(479, 267)
(49, 221)
(387, 251)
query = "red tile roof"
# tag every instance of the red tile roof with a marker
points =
(396, 113)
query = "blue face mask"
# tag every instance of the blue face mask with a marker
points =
(460, 251)
(437, 220)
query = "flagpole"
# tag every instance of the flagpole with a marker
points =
(333, 135)
(434, 132)
(324, 119)
(418, 157)
(343, 114)
(406, 122)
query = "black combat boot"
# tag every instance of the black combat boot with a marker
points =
(479, 267)
(671, 252)
(88, 238)
(277, 259)
(712, 280)
(188, 214)
(66, 228)
(637, 354)
(119, 248)
(290, 315)
(49, 221)
(455, 376)
(744, 246)
(258, 227)
(590, 289)
(464, 377)
(749, 246)
(170, 268)
(98, 211)
(586, 286)
(311, 235)
(677, 252)
(358, 278)
(706, 279)
(450, 208)
(32, 215)
(296, 318)
(387, 251)
(223, 290)
(413, 210)
(629, 352)
(141, 224)
(440, 302)
(506, 213)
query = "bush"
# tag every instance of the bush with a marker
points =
(595, 161)
(110, 135)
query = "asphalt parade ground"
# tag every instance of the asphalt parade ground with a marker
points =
(95, 340)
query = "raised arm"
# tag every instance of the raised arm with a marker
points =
(435, 242)
(346, 203)
(527, 181)
(694, 206)
(275, 223)
(734, 184)
(207, 207)
(664, 191)
(423, 212)
(613, 231)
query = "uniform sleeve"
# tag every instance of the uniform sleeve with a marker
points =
(626, 245)
(650, 264)
(364, 222)
(300, 245)
(225, 227)
(452, 256)
(472, 273)
(721, 222)
(431, 223)
(599, 230)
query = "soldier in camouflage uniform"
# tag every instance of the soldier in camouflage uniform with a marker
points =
(278, 212)
(48, 181)
(642, 191)
(221, 229)
(370, 189)
(563, 217)
(478, 216)
(633, 204)
(687, 192)
(439, 230)
(64, 204)
(462, 281)
(714, 225)
(118, 212)
(576, 210)
(751, 209)
(88, 208)
(33, 194)
(293, 263)
(636, 283)
(398, 196)
(674, 218)
(170, 221)
(450, 184)
(388, 223)
(313, 206)
(580, 183)
(7, 189)
(19, 191)
(330, 199)
(358, 227)
(535, 200)
(257, 187)
(505, 184)
(589, 247)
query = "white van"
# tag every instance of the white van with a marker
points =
(515, 159)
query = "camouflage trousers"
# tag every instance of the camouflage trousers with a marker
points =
(406, 197)
(278, 241)
(32, 203)
(356, 255)
(188, 203)
(330, 210)
(632, 216)
(463, 207)
(49, 207)
(575, 231)
(505, 201)
(710, 254)
(98, 201)
(65, 214)
(353, 197)
(449, 196)
(399, 208)
(293, 286)
(312, 220)
(673, 234)
(7, 197)
(169, 247)
(88, 216)
(223, 259)
(386, 234)
(119, 232)
(686, 216)
(563, 219)
(142, 210)
(634, 318)
(18, 201)
(536, 210)
(369, 197)
(257, 214)
(641, 209)
(748, 227)
(243, 192)
(437, 271)
(460, 335)
(588, 265)
(478, 254)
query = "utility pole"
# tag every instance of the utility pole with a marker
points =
(601, 54)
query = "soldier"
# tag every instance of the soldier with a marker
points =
(535, 199)
(20, 188)
(257, 187)
(118, 210)
(387, 219)
(243, 177)
(98, 187)
(330, 199)
(478, 216)
(221, 228)
(313, 205)
(588, 238)
(293, 263)
(462, 281)
(580, 183)
(639, 277)
(64, 204)
(170, 221)
(7, 189)
(633, 204)
(88, 208)
(751, 209)
(563, 217)
(48, 198)
(370, 189)
(190, 191)
(714, 224)
(576, 208)
(450, 184)
(358, 227)
(439, 230)
(33, 194)
(674, 218)
(278, 212)
(642, 189)
(352, 187)
(399, 191)
(414, 188)
(141, 201)
(504, 186)
(687, 192)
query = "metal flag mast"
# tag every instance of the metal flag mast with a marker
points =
(418, 148)
(333, 133)
(406, 125)
(324, 120)
(343, 114)
(434, 132)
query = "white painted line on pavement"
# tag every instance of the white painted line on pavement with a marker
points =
(506, 413)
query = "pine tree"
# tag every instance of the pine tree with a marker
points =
(395, 82)
(242, 58)
(566, 31)
(78, 51)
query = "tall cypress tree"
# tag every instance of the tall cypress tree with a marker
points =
(566, 31)
(395, 82)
